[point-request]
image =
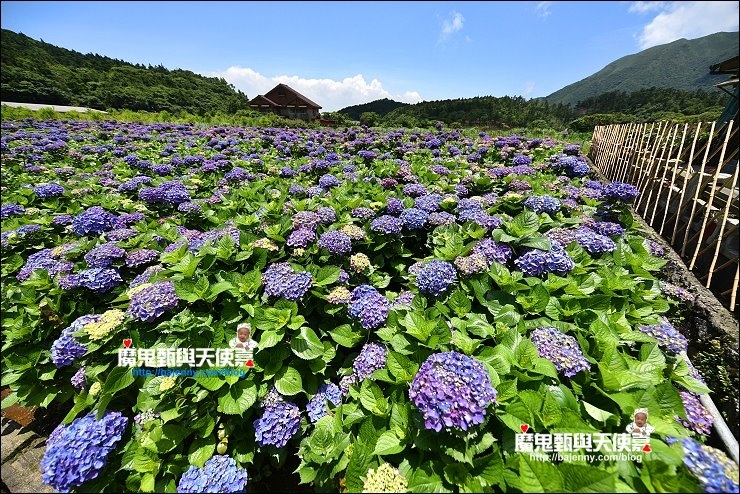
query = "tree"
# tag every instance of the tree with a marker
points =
(369, 118)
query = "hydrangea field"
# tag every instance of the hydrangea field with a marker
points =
(419, 299)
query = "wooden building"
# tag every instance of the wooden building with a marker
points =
(286, 102)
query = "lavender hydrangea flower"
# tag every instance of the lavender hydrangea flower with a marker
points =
(561, 349)
(104, 255)
(78, 452)
(277, 425)
(8, 210)
(493, 251)
(655, 248)
(144, 277)
(149, 302)
(140, 257)
(305, 219)
(535, 262)
(677, 292)
(280, 281)
(436, 277)
(372, 357)
(327, 215)
(441, 218)
(45, 260)
(345, 382)
(452, 390)
(45, 191)
(62, 220)
(668, 337)
(699, 418)
(328, 180)
(99, 280)
(542, 204)
(336, 242)
(608, 228)
(363, 213)
(413, 218)
(301, 238)
(219, 474)
(369, 306)
(620, 191)
(79, 381)
(414, 190)
(593, 242)
(714, 470)
(317, 405)
(93, 220)
(386, 224)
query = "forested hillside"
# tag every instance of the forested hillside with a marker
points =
(38, 72)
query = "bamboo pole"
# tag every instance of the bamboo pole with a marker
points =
(722, 227)
(696, 193)
(733, 297)
(629, 149)
(659, 185)
(642, 184)
(711, 196)
(673, 179)
(655, 166)
(634, 176)
(689, 170)
(636, 153)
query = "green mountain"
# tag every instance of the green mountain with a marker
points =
(37, 72)
(379, 106)
(682, 64)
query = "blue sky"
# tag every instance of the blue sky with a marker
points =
(345, 53)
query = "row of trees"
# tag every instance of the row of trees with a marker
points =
(37, 72)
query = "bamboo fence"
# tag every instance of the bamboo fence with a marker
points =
(687, 175)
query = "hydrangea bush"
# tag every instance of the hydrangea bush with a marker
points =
(417, 297)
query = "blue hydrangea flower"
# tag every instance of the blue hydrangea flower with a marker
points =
(280, 281)
(372, 357)
(93, 220)
(415, 190)
(668, 337)
(99, 280)
(79, 452)
(608, 228)
(336, 242)
(561, 349)
(301, 238)
(149, 303)
(592, 242)
(386, 224)
(620, 191)
(493, 251)
(327, 215)
(714, 470)
(394, 206)
(45, 191)
(535, 262)
(436, 277)
(317, 405)
(328, 180)
(219, 474)
(542, 204)
(104, 255)
(140, 257)
(79, 381)
(452, 390)
(8, 210)
(699, 418)
(369, 306)
(414, 218)
(277, 425)
(441, 218)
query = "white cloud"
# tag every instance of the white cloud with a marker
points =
(689, 20)
(452, 24)
(543, 9)
(330, 94)
(643, 7)
(528, 88)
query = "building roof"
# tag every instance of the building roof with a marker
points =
(284, 95)
(262, 100)
(729, 66)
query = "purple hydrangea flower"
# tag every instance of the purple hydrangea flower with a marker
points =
(44, 260)
(93, 220)
(219, 474)
(48, 190)
(363, 213)
(542, 204)
(561, 349)
(140, 257)
(608, 228)
(144, 277)
(386, 224)
(668, 337)
(79, 381)
(317, 405)
(301, 238)
(149, 303)
(441, 218)
(372, 357)
(369, 306)
(452, 390)
(620, 191)
(436, 277)
(104, 255)
(655, 248)
(345, 382)
(327, 215)
(714, 470)
(521, 159)
(78, 452)
(99, 280)
(336, 242)
(388, 183)
(413, 218)
(62, 220)
(428, 203)
(8, 210)
(592, 241)
(699, 418)
(306, 219)
(328, 180)
(493, 251)
(535, 262)
(677, 292)
(415, 190)
(472, 264)
(403, 298)
(280, 281)
(277, 425)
